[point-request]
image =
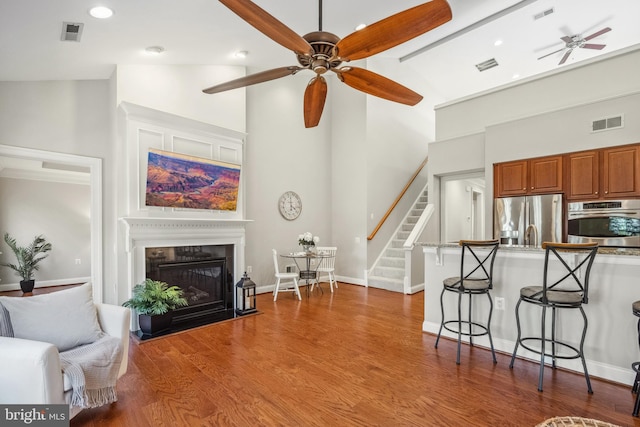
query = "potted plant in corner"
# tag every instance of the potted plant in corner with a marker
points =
(28, 258)
(154, 301)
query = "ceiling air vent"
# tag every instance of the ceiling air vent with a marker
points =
(71, 31)
(490, 63)
(543, 14)
(607, 123)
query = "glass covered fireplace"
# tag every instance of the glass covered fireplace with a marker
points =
(205, 275)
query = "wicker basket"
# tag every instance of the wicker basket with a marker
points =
(574, 422)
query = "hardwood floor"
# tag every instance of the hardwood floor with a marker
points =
(357, 357)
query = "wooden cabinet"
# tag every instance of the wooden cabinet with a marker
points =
(621, 172)
(510, 178)
(583, 175)
(546, 175)
(533, 176)
(609, 173)
(606, 173)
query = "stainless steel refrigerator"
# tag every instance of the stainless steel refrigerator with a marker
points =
(528, 220)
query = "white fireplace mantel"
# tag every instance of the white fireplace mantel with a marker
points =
(148, 229)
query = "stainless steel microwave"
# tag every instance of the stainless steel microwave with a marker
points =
(613, 223)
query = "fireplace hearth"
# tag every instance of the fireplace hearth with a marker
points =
(205, 275)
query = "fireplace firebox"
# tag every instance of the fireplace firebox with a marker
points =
(205, 275)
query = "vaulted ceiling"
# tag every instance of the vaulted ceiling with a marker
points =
(207, 32)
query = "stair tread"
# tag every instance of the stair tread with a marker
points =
(389, 270)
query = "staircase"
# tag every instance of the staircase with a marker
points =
(389, 270)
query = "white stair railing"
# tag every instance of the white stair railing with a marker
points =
(410, 243)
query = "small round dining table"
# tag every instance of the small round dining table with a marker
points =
(308, 272)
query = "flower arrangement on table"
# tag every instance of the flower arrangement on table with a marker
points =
(307, 240)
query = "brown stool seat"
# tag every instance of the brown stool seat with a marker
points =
(636, 308)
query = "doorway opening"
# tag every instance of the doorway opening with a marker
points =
(90, 166)
(462, 207)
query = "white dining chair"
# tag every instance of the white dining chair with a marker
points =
(327, 265)
(287, 277)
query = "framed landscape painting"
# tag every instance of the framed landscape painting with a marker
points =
(180, 181)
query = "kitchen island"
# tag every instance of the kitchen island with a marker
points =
(611, 344)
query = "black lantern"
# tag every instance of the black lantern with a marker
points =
(246, 293)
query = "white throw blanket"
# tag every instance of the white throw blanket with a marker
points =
(93, 371)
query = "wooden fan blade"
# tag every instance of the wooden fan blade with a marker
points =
(253, 79)
(377, 85)
(269, 26)
(314, 97)
(549, 54)
(565, 57)
(598, 33)
(593, 46)
(392, 31)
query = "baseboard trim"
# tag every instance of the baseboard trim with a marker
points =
(601, 370)
(46, 283)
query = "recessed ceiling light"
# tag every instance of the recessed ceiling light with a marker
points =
(154, 50)
(497, 43)
(515, 76)
(360, 27)
(241, 54)
(101, 12)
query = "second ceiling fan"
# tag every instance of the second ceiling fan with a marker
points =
(577, 41)
(321, 51)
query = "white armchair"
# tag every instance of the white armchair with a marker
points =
(30, 371)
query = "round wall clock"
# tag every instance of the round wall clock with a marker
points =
(290, 205)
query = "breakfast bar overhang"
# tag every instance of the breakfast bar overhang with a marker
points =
(611, 344)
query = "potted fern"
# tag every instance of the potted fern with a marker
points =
(154, 301)
(28, 258)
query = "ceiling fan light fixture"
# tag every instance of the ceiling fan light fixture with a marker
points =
(321, 51)
(101, 12)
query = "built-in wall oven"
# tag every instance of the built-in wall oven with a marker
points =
(609, 223)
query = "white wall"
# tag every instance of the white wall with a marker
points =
(66, 117)
(570, 86)
(565, 104)
(451, 157)
(349, 181)
(282, 155)
(59, 212)
(177, 89)
(457, 211)
(397, 143)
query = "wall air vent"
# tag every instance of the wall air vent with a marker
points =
(490, 63)
(607, 123)
(71, 32)
(543, 14)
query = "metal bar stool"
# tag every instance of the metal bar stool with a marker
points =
(636, 365)
(476, 278)
(570, 291)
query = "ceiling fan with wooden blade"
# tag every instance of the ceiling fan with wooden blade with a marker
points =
(321, 51)
(577, 41)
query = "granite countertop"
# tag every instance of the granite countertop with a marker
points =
(519, 248)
